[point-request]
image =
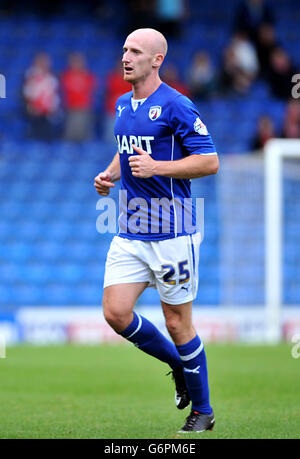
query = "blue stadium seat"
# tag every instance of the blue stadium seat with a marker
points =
(16, 252)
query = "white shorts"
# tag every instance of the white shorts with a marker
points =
(170, 265)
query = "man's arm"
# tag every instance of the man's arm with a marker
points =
(114, 168)
(193, 166)
(104, 181)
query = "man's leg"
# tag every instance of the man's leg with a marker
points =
(118, 303)
(192, 354)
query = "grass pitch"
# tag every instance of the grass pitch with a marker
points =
(118, 392)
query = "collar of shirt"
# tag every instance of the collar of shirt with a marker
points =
(136, 103)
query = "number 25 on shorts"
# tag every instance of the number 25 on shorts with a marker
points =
(184, 274)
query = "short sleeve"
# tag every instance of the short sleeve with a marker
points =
(185, 122)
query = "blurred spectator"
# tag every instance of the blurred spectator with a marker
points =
(78, 87)
(280, 73)
(115, 87)
(265, 43)
(170, 14)
(229, 72)
(41, 96)
(240, 65)
(291, 124)
(265, 132)
(245, 55)
(171, 77)
(201, 76)
(251, 14)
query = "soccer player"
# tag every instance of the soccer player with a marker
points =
(162, 144)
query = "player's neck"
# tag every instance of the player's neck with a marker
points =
(144, 89)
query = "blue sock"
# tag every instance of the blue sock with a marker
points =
(192, 355)
(144, 335)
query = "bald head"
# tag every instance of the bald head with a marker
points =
(151, 39)
(143, 54)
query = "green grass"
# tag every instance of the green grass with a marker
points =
(118, 392)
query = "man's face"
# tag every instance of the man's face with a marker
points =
(137, 60)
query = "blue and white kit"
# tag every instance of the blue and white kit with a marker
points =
(168, 126)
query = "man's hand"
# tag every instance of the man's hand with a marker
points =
(103, 183)
(142, 165)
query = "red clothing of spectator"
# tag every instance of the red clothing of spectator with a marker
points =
(180, 87)
(40, 91)
(171, 77)
(78, 87)
(115, 87)
(41, 97)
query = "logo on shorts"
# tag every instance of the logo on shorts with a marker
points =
(154, 112)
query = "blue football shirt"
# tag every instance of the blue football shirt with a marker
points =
(168, 127)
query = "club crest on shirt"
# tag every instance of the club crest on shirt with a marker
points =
(200, 127)
(154, 112)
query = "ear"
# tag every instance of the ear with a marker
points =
(158, 60)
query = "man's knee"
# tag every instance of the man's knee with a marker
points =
(174, 324)
(115, 315)
(179, 326)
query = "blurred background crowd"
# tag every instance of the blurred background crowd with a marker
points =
(62, 62)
